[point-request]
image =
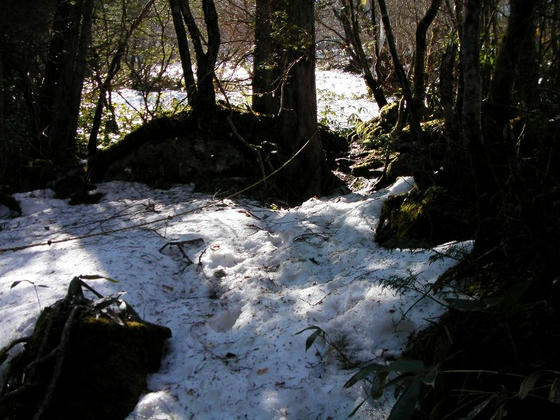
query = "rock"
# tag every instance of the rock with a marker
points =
(9, 206)
(421, 219)
(369, 166)
(105, 359)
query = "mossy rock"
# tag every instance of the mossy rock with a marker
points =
(389, 113)
(421, 219)
(403, 164)
(103, 371)
(369, 166)
(14, 209)
(374, 133)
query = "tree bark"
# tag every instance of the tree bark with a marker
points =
(307, 176)
(184, 52)
(204, 99)
(420, 56)
(64, 76)
(472, 94)
(267, 72)
(377, 46)
(518, 34)
(349, 19)
(446, 84)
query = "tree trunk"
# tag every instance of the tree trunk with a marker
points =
(459, 97)
(377, 46)
(518, 35)
(472, 94)
(267, 71)
(401, 75)
(446, 84)
(3, 139)
(420, 56)
(308, 174)
(204, 99)
(64, 76)
(183, 46)
(349, 19)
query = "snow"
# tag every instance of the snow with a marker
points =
(342, 98)
(235, 282)
(258, 276)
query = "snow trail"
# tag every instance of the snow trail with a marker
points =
(257, 277)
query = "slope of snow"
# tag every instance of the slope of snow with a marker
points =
(258, 276)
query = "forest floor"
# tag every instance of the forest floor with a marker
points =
(234, 281)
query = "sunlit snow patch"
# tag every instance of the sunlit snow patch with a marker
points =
(257, 277)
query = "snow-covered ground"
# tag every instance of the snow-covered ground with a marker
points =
(342, 98)
(258, 277)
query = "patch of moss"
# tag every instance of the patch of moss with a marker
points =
(375, 132)
(420, 219)
(104, 368)
(366, 166)
(389, 113)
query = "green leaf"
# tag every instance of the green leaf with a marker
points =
(364, 372)
(430, 377)
(554, 393)
(311, 339)
(378, 385)
(529, 383)
(471, 415)
(313, 327)
(401, 379)
(407, 366)
(355, 410)
(96, 277)
(405, 405)
(15, 283)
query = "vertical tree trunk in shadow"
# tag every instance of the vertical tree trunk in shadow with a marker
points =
(204, 99)
(446, 85)
(183, 46)
(64, 75)
(420, 56)
(308, 175)
(471, 117)
(201, 93)
(267, 72)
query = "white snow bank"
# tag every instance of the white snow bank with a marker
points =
(259, 276)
